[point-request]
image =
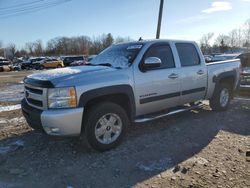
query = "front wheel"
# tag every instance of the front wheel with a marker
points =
(105, 126)
(221, 98)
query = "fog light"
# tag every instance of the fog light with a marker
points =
(51, 130)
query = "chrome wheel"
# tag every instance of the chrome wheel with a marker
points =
(108, 128)
(224, 97)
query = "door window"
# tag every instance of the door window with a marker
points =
(188, 54)
(164, 53)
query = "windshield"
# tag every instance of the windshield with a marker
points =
(118, 56)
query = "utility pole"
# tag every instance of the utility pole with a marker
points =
(159, 20)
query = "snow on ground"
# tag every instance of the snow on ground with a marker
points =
(13, 146)
(12, 93)
(159, 165)
(16, 120)
(9, 108)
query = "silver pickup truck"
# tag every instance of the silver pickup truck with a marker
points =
(126, 83)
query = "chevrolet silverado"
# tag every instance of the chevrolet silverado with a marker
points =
(126, 83)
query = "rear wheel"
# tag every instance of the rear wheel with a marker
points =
(221, 98)
(105, 126)
(59, 66)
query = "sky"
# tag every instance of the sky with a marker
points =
(30, 20)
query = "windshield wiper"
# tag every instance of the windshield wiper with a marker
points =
(103, 64)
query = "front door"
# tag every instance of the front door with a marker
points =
(157, 88)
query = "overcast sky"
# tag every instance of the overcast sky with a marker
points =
(29, 20)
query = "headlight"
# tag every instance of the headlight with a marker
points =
(62, 97)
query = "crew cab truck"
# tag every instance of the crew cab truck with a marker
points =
(126, 83)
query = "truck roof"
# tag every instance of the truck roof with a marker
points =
(156, 40)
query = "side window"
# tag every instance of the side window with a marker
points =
(188, 54)
(164, 53)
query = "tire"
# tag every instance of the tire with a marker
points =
(221, 97)
(59, 66)
(105, 113)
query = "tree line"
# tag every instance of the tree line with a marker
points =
(84, 45)
(230, 42)
(81, 45)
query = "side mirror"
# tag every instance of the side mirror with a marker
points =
(152, 62)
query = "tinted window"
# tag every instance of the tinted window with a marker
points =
(164, 53)
(188, 54)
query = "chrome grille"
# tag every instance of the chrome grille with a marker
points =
(36, 96)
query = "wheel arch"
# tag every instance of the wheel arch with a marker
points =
(121, 94)
(227, 78)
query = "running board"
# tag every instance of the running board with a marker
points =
(150, 118)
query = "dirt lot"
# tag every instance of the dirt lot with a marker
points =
(194, 149)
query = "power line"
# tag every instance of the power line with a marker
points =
(30, 8)
(20, 5)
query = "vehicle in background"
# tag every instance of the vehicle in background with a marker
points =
(5, 65)
(49, 63)
(91, 57)
(4, 61)
(217, 58)
(208, 58)
(79, 63)
(230, 56)
(245, 79)
(29, 63)
(223, 57)
(214, 54)
(70, 59)
(83, 62)
(125, 84)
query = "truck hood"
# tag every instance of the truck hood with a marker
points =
(65, 73)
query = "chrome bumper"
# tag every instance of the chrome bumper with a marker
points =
(62, 122)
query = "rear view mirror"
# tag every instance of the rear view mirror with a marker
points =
(152, 62)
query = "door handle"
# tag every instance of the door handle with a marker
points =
(200, 72)
(173, 76)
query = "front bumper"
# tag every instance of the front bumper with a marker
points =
(61, 122)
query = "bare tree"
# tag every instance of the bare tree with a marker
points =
(223, 43)
(11, 51)
(38, 48)
(122, 39)
(247, 34)
(239, 37)
(30, 47)
(205, 42)
(1, 49)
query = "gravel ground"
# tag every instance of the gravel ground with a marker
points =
(195, 149)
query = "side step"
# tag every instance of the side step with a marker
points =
(184, 109)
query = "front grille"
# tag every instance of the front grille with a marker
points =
(35, 96)
(35, 102)
(37, 91)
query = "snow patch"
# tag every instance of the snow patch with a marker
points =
(13, 146)
(16, 120)
(55, 73)
(12, 93)
(9, 108)
(159, 165)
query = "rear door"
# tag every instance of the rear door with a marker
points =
(158, 88)
(193, 73)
